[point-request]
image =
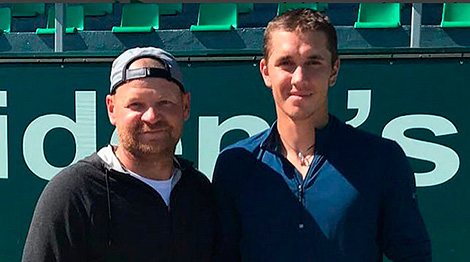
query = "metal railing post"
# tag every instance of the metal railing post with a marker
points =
(59, 23)
(416, 25)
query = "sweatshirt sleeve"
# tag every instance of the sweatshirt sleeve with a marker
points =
(404, 233)
(57, 230)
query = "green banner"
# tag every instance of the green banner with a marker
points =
(53, 114)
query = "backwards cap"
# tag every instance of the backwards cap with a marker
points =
(121, 73)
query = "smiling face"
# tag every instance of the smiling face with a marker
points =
(148, 114)
(299, 71)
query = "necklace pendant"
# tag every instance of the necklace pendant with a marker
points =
(302, 159)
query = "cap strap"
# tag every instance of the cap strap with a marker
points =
(147, 72)
(151, 72)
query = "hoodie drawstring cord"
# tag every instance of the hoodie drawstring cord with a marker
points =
(108, 195)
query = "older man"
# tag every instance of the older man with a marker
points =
(312, 188)
(135, 201)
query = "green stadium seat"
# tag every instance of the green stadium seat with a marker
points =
(455, 15)
(139, 18)
(74, 20)
(216, 17)
(27, 9)
(170, 8)
(5, 20)
(97, 9)
(283, 7)
(244, 8)
(378, 15)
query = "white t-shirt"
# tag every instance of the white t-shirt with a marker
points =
(163, 187)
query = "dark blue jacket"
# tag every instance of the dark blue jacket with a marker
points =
(357, 202)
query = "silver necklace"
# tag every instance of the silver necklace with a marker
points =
(301, 156)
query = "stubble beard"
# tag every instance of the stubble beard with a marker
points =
(298, 112)
(129, 140)
(295, 113)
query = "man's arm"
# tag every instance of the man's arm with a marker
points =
(57, 231)
(228, 239)
(404, 233)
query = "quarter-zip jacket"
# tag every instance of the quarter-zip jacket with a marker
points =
(92, 212)
(357, 202)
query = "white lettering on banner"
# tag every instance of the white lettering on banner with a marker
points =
(211, 133)
(360, 100)
(3, 138)
(83, 131)
(446, 160)
(115, 140)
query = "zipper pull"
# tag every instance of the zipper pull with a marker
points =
(300, 193)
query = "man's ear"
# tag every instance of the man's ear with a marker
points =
(263, 68)
(186, 105)
(334, 72)
(110, 106)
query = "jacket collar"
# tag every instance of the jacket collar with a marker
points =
(272, 141)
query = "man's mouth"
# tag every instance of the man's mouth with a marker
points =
(300, 94)
(156, 130)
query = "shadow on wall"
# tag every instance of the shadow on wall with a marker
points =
(387, 37)
(72, 42)
(228, 40)
(4, 43)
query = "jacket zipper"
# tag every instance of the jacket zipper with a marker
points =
(316, 165)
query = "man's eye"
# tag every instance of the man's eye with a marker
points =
(285, 63)
(313, 62)
(165, 102)
(135, 106)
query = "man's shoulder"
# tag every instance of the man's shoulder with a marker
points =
(352, 145)
(78, 174)
(250, 144)
(239, 157)
(350, 136)
(72, 186)
(190, 171)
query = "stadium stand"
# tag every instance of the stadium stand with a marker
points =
(5, 20)
(97, 9)
(244, 8)
(170, 8)
(216, 17)
(27, 9)
(74, 20)
(359, 25)
(456, 15)
(138, 18)
(378, 15)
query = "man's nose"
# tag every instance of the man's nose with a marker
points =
(298, 77)
(150, 115)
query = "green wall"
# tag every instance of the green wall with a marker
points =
(418, 102)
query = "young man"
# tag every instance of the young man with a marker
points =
(312, 188)
(135, 201)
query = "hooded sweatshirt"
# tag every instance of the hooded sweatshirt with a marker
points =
(95, 210)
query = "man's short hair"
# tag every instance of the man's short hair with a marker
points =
(304, 20)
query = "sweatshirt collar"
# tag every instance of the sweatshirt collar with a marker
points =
(112, 162)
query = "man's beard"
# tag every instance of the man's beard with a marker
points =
(129, 140)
